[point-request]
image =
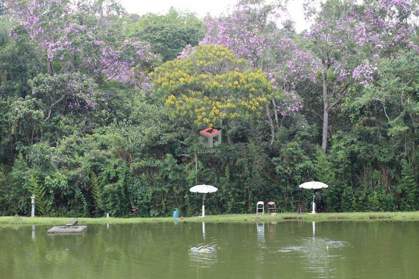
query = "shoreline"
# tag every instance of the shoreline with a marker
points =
(232, 218)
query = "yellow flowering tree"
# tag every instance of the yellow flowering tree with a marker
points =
(210, 84)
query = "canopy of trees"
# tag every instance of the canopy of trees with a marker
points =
(211, 85)
(100, 111)
(167, 34)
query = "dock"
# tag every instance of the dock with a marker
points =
(67, 229)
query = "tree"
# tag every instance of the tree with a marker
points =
(347, 38)
(88, 133)
(20, 60)
(394, 94)
(168, 34)
(408, 188)
(64, 93)
(210, 85)
(2, 8)
(251, 33)
(68, 33)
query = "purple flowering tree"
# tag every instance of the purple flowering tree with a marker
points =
(345, 40)
(82, 35)
(251, 33)
(349, 38)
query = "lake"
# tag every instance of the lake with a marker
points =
(194, 250)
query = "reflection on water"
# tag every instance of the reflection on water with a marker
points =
(260, 229)
(33, 232)
(188, 251)
(317, 253)
(260, 238)
(203, 230)
(203, 254)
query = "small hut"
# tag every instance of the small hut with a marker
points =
(210, 137)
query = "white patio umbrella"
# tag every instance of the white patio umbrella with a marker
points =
(203, 189)
(313, 185)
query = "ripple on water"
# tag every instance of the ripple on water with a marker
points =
(314, 244)
(203, 255)
(318, 255)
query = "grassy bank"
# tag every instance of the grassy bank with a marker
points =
(239, 218)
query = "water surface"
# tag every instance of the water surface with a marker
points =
(159, 251)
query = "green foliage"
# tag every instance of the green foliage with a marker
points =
(211, 85)
(18, 194)
(85, 146)
(335, 197)
(3, 191)
(20, 61)
(168, 34)
(39, 191)
(409, 189)
(2, 8)
(63, 93)
(96, 193)
(324, 168)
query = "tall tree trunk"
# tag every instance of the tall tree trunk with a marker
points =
(271, 123)
(196, 167)
(101, 13)
(49, 66)
(275, 112)
(325, 112)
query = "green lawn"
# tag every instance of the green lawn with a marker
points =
(239, 218)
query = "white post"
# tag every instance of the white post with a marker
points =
(314, 229)
(33, 206)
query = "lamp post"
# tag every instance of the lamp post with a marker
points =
(33, 206)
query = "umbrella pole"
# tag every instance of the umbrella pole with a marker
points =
(203, 205)
(313, 211)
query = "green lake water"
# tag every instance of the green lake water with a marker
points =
(181, 251)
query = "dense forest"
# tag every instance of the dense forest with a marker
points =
(100, 110)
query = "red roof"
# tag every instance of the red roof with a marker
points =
(209, 132)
